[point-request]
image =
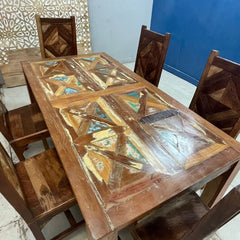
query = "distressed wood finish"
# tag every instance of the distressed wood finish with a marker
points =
(125, 145)
(22, 126)
(57, 36)
(217, 99)
(187, 218)
(151, 54)
(38, 189)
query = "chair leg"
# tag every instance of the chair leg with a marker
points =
(36, 231)
(70, 217)
(73, 223)
(215, 189)
(45, 144)
(19, 150)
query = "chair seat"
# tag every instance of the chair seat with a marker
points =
(26, 120)
(172, 220)
(45, 184)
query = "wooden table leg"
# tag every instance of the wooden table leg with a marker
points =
(110, 236)
(31, 96)
(215, 189)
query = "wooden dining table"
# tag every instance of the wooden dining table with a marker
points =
(126, 146)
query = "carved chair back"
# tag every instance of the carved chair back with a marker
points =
(217, 97)
(151, 54)
(57, 36)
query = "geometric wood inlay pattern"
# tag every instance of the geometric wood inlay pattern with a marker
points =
(111, 149)
(110, 145)
(126, 146)
(217, 97)
(57, 36)
(108, 142)
(59, 77)
(104, 73)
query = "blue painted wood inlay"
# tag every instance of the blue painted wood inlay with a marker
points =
(134, 106)
(70, 90)
(51, 63)
(104, 70)
(90, 59)
(61, 79)
(132, 152)
(96, 126)
(99, 113)
(134, 94)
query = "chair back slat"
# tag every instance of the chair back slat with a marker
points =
(57, 36)
(219, 215)
(151, 54)
(217, 98)
(7, 169)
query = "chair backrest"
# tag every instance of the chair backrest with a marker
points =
(217, 97)
(7, 171)
(57, 36)
(220, 214)
(151, 54)
(10, 188)
(4, 128)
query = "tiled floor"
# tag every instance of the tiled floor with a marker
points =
(172, 85)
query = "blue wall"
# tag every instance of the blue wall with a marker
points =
(197, 27)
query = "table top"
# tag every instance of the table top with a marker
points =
(125, 145)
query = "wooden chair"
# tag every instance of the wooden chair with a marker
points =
(23, 126)
(38, 189)
(217, 99)
(57, 36)
(187, 218)
(152, 50)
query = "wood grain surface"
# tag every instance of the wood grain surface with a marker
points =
(125, 145)
(57, 36)
(151, 54)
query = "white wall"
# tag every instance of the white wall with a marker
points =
(115, 26)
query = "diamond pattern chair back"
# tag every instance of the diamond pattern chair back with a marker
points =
(217, 97)
(151, 54)
(57, 36)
